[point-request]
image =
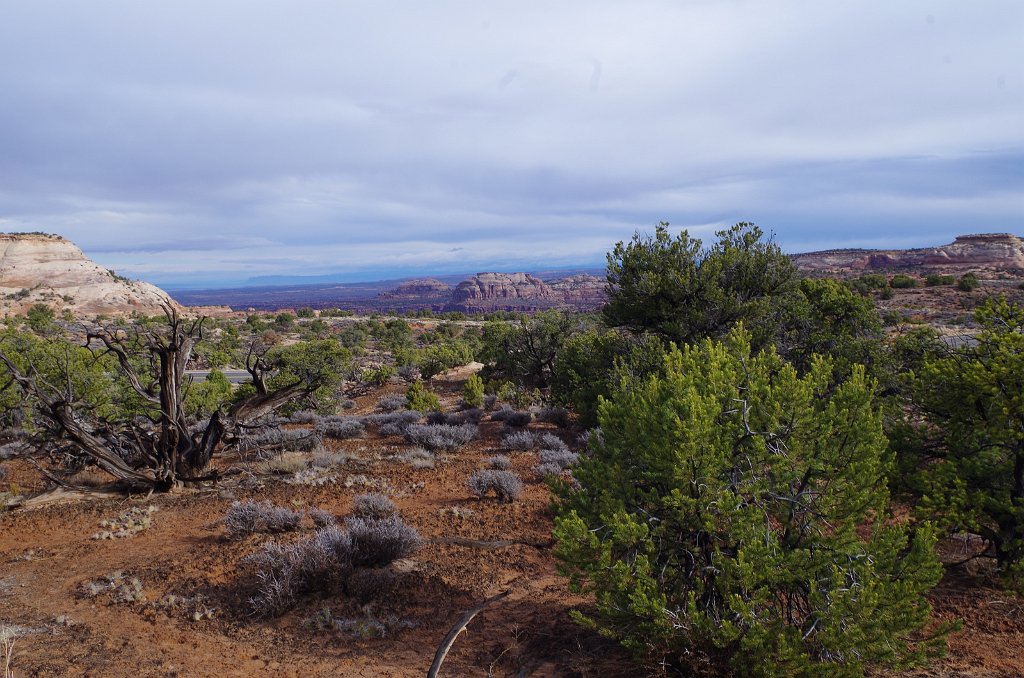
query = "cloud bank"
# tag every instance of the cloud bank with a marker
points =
(201, 144)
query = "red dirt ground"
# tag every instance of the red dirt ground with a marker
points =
(47, 556)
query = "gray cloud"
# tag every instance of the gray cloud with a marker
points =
(186, 142)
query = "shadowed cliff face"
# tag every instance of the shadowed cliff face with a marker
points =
(1002, 251)
(522, 291)
(50, 270)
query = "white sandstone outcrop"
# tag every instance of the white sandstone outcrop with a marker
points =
(45, 269)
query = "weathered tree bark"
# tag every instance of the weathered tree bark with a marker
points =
(173, 453)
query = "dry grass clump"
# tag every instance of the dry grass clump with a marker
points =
(505, 484)
(250, 517)
(283, 571)
(441, 436)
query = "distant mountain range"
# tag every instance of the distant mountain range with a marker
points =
(565, 288)
(40, 268)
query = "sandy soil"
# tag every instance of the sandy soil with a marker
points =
(192, 618)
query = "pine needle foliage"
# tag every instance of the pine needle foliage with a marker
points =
(733, 517)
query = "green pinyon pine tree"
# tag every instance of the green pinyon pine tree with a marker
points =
(733, 516)
(971, 443)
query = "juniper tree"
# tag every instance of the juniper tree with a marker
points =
(970, 452)
(120, 399)
(733, 515)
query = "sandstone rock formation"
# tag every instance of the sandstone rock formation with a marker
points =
(44, 269)
(489, 287)
(985, 251)
(586, 290)
(524, 292)
(425, 290)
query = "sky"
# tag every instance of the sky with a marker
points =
(201, 144)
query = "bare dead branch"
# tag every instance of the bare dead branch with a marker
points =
(460, 626)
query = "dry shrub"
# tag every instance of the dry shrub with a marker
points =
(340, 428)
(441, 436)
(505, 484)
(379, 541)
(519, 440)
(373, 505)
(390, 403)
(249, 517)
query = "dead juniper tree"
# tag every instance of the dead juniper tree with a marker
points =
(146, 439)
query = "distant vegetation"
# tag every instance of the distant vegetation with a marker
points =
(750, 469)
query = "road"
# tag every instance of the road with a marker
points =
(234, 376)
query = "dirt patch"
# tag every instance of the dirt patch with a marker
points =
(169, 595)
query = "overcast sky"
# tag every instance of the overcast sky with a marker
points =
(204, 143)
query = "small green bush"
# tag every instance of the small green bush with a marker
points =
(420, 399)
(874, 281)
(900, 281)
(473, 392)
(968, 282)
(935, 280)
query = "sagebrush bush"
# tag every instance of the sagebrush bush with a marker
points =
(553, 415)
(554, 462)
(249, 517)
(549, 441)
(519, 440)
(473, 415)
(392, 423)
(373, 505)
(501, 413)
(498, 462)
(470, 416)
(437, 417)
(546, 470)
(379, 541)
(284, 571)
(505, 484)
(304, 417)
(321, 518)
(517, 419)
(563, 457)
(340, 428)
(417, 457)
(441, 436)
(390, 403)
